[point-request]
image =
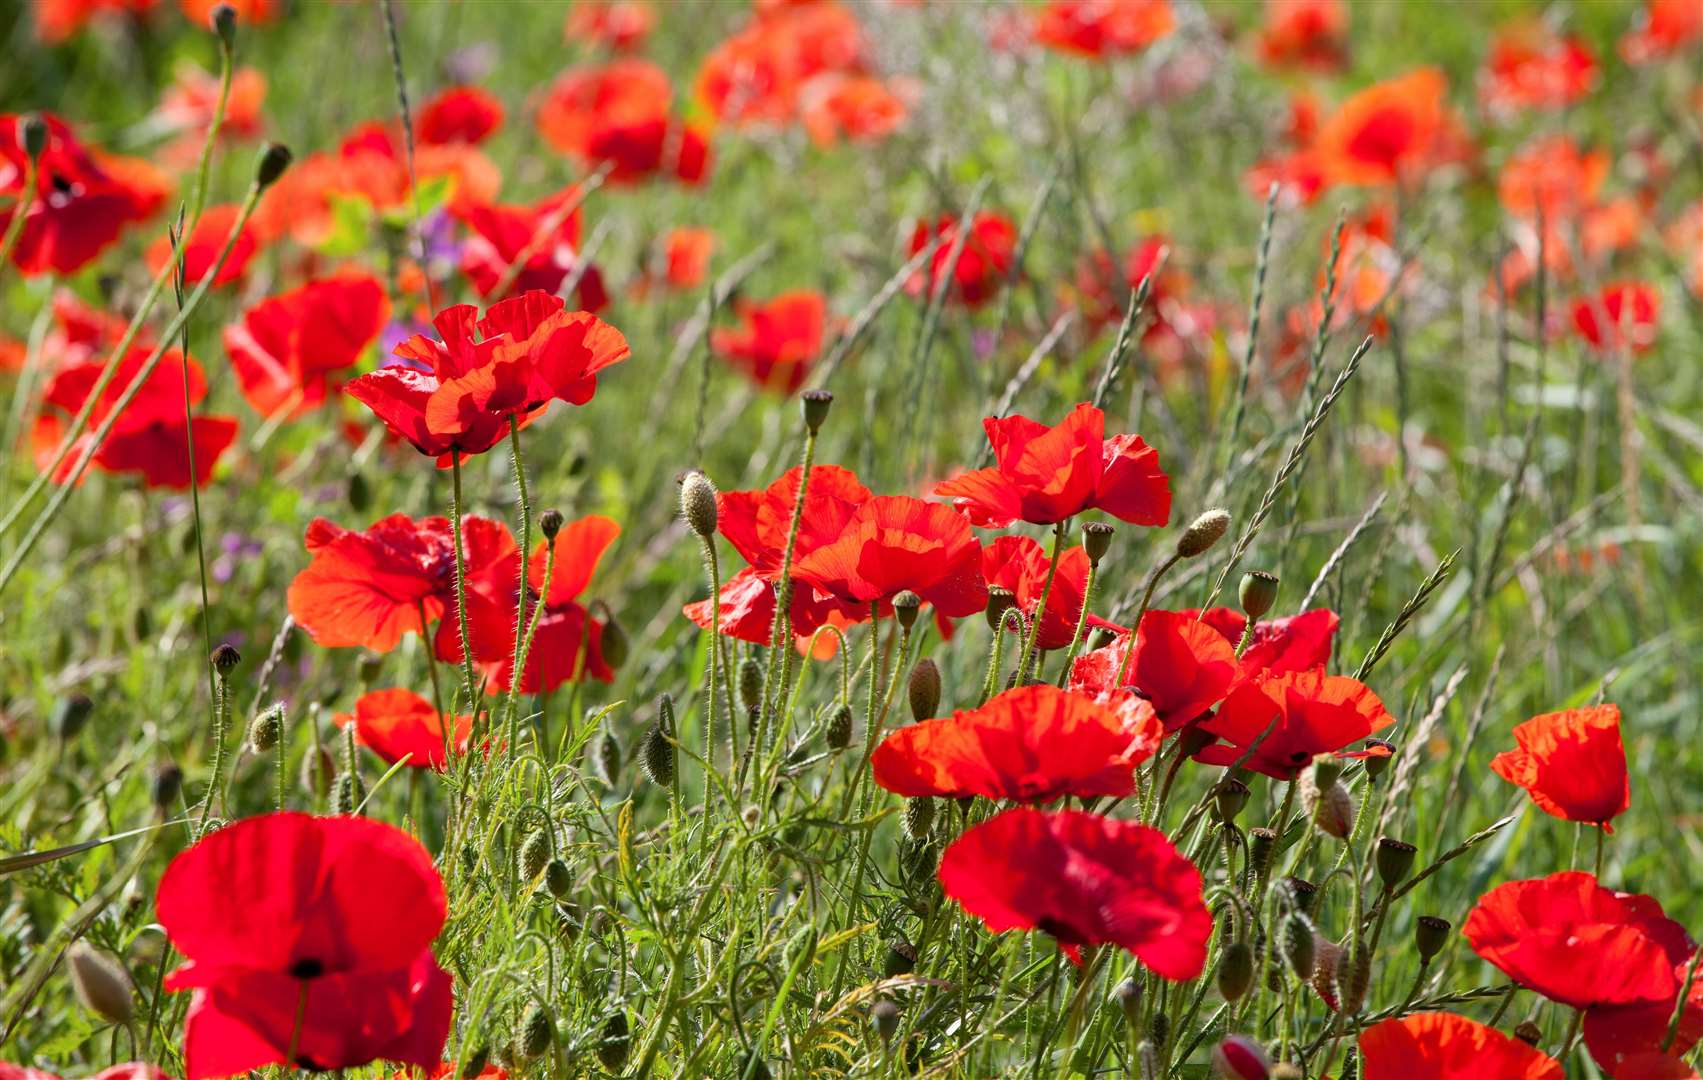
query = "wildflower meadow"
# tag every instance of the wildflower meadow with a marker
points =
(851, 538)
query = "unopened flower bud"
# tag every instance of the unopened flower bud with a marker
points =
(274, 159)
(1096, 540)
(100, 983)
(919, 817)
(1236, 970)
(1353, 979)
(168, 785)
(1262, 842)
(1330, 808)
(609, 759)
(901, 958)
(1430, 934)
(656, 757)
(816, 404)
(343, 794)
(267, 729)
(317, 771)
(612, 641)
(1203, 532)
(536, 1031)
(359, 492)
(1528, 1033)
(1229, 799)
(1302, 893)
(550, 523)
(839, 730)
(1298, 945)
(750, 683)
(534, 853)
(1375, 763)
(32, 132)
(886, 1017)
(70, 714)
(698, 503)
(1240, 1058)
(1128, 996)
(225, 24)
(924, 689)
(1258, 593)
(999, 602)
(905, 608)
(617, 1039)
(225, 659)
(558, 878)
(1394, 860)
(1159, 1028)
(473, 1061)
(1100, 637)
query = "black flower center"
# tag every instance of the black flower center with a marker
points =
(307, 968)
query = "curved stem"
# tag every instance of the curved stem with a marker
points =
(1034, 633)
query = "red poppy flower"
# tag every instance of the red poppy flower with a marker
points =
(618, 114)
(1625, 315)
(1316, 714)
(57, 20)
(369, 588)
(205, 243)
(1572, 764)
(568, 644)
(1390, 133)
(1102, 28)
(983, 265)
(446, 1071)
(459, 114)
(1310, 33)
(755, 76)
(1045, 475)
(619, 24)
(306, 933)
(397, 724)
(1628, 1040)
(502, 234)
(779, 341)
(1031, 744)
(1085, 880)
(83, 200)
(1292, 643)
(288, 348)
(188, 104)
(859, 108)
(894, 543)
(1532, 67)
(249, 12)
(1020, 564)
(1443, 1046)
(130, 1070)
(1554, 175)
(1181, 666)
(1573, 941)
(151, 438)
(686, 252)
(1663, 28)
(78, 333)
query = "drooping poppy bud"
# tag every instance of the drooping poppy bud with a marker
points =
(267, 729)
(924, 689)
(32, 132)
(617, 1039)
(613, 641)
(558, 878)
(225, 25)
(473, 1061)
(656, 757)
(1302, 893)
(750, 683)
(534, 853)
(1236, 970)
(1353, 979)
(1240, 1058)
(698, 503)
(100, 983)
(1128, 996)
(1258, 593)
(919, 818)
(608, 758)
(1203, 532)
(839, 730)
(536, 1031)
(886, 1017)
(168, 785)
(1298, 945)
(274, 159)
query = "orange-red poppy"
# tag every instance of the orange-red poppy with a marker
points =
(1309, 33)
(894, 543)
(1662, 29)
(779, 340)
(756, 75)
(1392, 132)
(1102, 28)
(984, 262)
(205, 242)
(621, 25)
(459, 114)
(1315, 714)
(1532, 67)
(619, 115)
(857, 108)
(1021, 564)
(1572, 764)
(1182, 666)
(288, 349)
(1625, 315)
(502, 235)
(398, 724)
(1289, 643)
(1443, 1046)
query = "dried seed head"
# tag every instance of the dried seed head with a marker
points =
(32, 132)
(901, 958)
(919, 818)
(816, 403)
(550, 523)
(1430, 934)
(839, 731)
(1528, 1033)
(1258, 593)
(698, 503)
(225, 659)
(656, 757)
(168, 785)
(1240, 1058)
(1236, 970)
(1395, 861)
(274, 159)
(886, 1017)
(1375, 764)
(1000, 601)
(225, 25)
(905, 607)
(100, 983)
(1203, 532)
(536, 1031)
(1127, 994)
(617, 1039)
(609, 759)
(751, 683)
(70, 714)
(924, 689)
(1230, 798)
(267, 729)
(1096, 540)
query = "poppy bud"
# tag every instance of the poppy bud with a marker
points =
(1193, 739)
(168, 785)
(901, 958)
(1285, 1070)
(1236, 970)
(919, 817)
(100, 983)
(343, 794)
(1159, 1028)
(1240, 1058)
(1528, 1033)
(317, 769)
(225, 24)
(536, 1031)
(1430, 934)
(473, 1061)
(1127, 994)
(1302, 893)
(1202, 533)
(613, 641)
(656, 757)
(360, 492)
(886, 1017)
(1395, 861)
(839, 731)
(1096, 540)
(69, 715)
(1375, 764)
(1262, 842)
(32, 132)
(558, 878)
(1258, 593)
(225, 659)
(608, 759)
(550, 523)
(1298, 944)
(698, 503)
(924, 689)
(267, 729)
(1232, 796)
(816, 404)
(1330, 808)
(999, 602)
(534, 853)
(274, 159)
(1100, 637)
(751, 683)
(612, 1050)
(905, 607)
(1327, 769)
(1353, 979)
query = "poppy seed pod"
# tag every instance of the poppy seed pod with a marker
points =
(924, 689)
(608, 758)
(1262, 842)
(839, 731)
(999, 602)
(558, 878)
(886, 1017)
(1395, 861)
(1203, 532)
(274, 159)
(905, 608)
(69, 715)
(224, 23)
(267, 729)
(901, 958)
(1375, 764)
(1096, 540)
(1528, 1033)
(1240, 1058)
(32, 132)
(536, 1031)
(656, 757)
(698, 503)
(612, 1049)
(1236, 971)
(225, 659)
(816, 403)
(1127, 994)
(1430, 934)
(1327, 769)
(100, 983)
(168, 785)
(1230, 798)
(550, 523)
(1258, 593)
(750, 683)
(1100, 637)
(1298, 946)
(919, 818)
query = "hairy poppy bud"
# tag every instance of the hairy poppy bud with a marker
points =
(69, 715)
(751, 683)
(1330, 808)
(359, 492)
(1375, 764)
(1285, 1070)
(168, 785)
(274, 159)
(550, 523)
(534, 853)
(919, 817)
(1100, 637)
(612, 1050)
(816, 404)
(1230, 798)
(267, 729)
(1236, 970)
(1353, 979)
(473, 1061)
(225, 24)
(317, 770)
(536, 1031)
(1240, 1058)
(905, 607)
(1302, 893)
(886, 1017)
(1298, 944)
(999, 602)
(558, 878)
(1096, 540)
(1430, 934)
(32, 132)
(1262, 842)
(1528, 1033)
(343, 794)
(1326, 769)
(924, 689)
(1203, 532)
(100, 983)
(612, 641)
(1127, 994)
(901, 958)
(225, 659)
(839, 731)
(656, 757)
(1159, 1028)
(1258, 593)
(698, 503)
(608, 759)
(1395, 861)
